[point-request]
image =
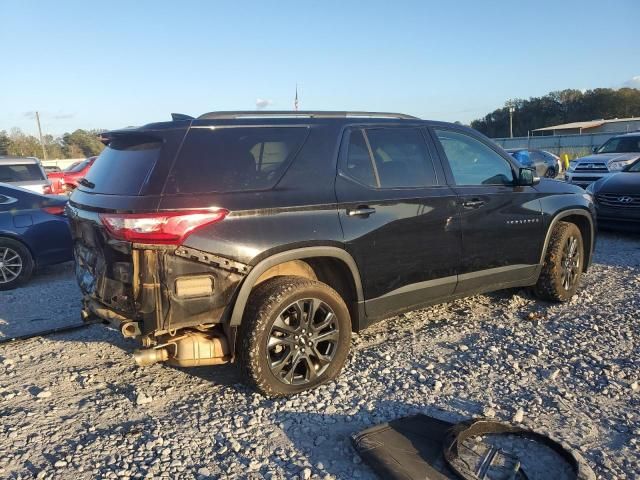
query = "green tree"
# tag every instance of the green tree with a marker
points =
(563, 106)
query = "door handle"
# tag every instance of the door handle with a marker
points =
(474, 203)
(362, 211)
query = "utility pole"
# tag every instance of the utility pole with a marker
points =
(511, 110)
(44, 151)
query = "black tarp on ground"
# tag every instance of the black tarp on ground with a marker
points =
(426, 448)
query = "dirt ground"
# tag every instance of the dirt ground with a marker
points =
(75, 406)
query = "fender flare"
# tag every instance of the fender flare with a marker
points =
(563, 214)
(295, 254)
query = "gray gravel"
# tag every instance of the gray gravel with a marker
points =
(75, 406)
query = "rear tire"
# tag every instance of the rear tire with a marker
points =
(16, 264)
(562, 268)
(283, 349)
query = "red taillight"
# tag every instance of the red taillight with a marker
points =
(57, 210)
(166, 228)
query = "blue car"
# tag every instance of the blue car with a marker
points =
(34, 232)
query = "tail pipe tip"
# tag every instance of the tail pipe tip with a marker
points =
(149, 356)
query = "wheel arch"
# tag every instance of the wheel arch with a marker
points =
(309, 255)
(583, 219)
(20, 240)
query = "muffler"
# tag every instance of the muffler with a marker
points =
(192, 349)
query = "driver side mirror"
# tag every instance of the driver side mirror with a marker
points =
(595, 149)
(527, 177)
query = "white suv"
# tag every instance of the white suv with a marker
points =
(26, 173)
(613, 156)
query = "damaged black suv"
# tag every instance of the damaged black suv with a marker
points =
(268, 237)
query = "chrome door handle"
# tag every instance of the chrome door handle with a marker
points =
(360, 211)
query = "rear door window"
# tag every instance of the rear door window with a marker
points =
(20, 173)
(389, 158)
(219, 159)
(124, 165)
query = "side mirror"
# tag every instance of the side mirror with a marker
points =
(595, 149)
(527, 177)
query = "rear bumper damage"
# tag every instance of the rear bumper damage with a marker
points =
(174, 301)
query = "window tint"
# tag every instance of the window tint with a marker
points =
(233, 159)
(472, 162)
(123, 166)
(20, 173)
(400, 155)
(359, 165)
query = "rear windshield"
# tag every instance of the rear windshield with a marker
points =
(234, 159)
(21, 173)
(77, 167)
(124, 166)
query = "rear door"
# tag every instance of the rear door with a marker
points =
(501, 222)
(398, 217)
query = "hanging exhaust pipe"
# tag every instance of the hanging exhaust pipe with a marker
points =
(192, 349)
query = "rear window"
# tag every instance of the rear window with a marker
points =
(234, 159)
(77, 167)
(123, 166)
(20, 173)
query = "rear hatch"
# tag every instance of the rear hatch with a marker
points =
(126, 177)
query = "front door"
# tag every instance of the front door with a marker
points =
(501, 222)
(398, 217)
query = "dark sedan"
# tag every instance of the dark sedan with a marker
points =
(617, 199)
(545, 163)
(34, 232)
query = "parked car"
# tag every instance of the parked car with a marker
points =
(267, 237)
(617, 199)
(544, 163)
(66, 181)
(24, 172)
(613, 156)
(34, 232)
(52, 169)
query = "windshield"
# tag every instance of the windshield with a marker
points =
(621, 145)
(20, 173)
(77, 167)
(634, 167)
(124, 166)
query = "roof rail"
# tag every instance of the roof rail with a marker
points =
(301, 114)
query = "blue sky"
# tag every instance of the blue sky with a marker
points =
(87, 64)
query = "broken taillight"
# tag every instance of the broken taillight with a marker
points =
(166, 228)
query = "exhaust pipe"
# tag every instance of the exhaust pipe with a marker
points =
(149, 356)
(192, 349)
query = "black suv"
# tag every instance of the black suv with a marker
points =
(269, 237)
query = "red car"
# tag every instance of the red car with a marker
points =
(66, 181)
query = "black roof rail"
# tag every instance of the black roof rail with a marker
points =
(180, 116)
(301, 114)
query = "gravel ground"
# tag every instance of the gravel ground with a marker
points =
(75, 406)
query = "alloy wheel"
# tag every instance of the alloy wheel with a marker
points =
(570, 266)
(10, 265)
(303, 341)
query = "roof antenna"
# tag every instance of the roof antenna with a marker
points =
(295, 101)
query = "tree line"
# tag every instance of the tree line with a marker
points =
(79, 144)
(555, 108)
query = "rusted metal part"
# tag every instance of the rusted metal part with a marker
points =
(214, 260)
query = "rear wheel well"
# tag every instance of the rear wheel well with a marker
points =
(584, 225)
(332, 271)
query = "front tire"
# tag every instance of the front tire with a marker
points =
(563, 264)
(16, 264)
(295, 336)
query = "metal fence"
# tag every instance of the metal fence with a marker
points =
(573, 145)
